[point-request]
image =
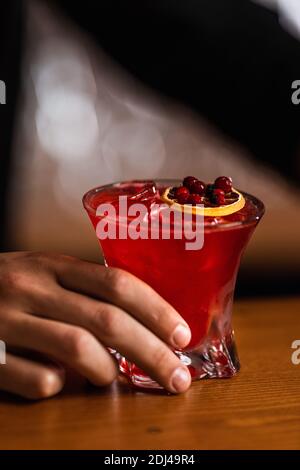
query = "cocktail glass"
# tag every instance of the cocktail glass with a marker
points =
(199, 284)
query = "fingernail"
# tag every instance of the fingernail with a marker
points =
(180, 380)
(181, 336)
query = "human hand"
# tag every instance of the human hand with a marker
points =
(70, 311)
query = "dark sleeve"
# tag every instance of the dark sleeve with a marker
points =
(10, 59)
(228, 59)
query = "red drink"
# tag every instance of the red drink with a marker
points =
(198, 283)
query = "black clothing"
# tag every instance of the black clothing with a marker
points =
(228, 59)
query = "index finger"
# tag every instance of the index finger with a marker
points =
(126, 291)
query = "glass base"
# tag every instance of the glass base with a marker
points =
(215, 358)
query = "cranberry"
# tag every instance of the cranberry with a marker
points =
(172, 192)
(188, 181)
(182, 194)
(209, 189)
(194, 199)
(232, 196)
(197, 187)
(224, 183)
(218, 197)
(218, 192)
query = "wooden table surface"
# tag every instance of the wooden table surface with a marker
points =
(258, 409)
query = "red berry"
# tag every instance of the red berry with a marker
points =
(171, 194)
(224, 183)
(218, 192)
(182, 199)
(218, 197)
(195, 199)
(197, 187)
(188, 181)
(182, 194)
(209, 189)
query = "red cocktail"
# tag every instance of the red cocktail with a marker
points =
(199, 283)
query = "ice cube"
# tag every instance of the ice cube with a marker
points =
(145, 192)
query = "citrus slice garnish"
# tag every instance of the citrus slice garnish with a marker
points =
(216, 211)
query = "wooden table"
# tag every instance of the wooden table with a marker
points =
(259, 408)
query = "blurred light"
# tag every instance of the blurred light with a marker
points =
(288, 11)
(66, 118)
(67, 124)
(72, 181)
(133, 150)
(59, 62)
(290, 15)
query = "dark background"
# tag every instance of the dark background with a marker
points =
(230, 60)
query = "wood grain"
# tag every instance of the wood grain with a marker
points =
(258, 409)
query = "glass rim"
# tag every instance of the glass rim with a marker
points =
(172, 182)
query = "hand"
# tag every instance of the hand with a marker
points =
(70, 311)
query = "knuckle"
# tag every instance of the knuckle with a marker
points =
(14, 280)
(163, 314)
(37, 258)
(47, 384)
(67, 259)
(76, 343)
(108, 320)
(46, 259)
(160, 357)
(22, 274)
(35, 255)
(117, 281)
